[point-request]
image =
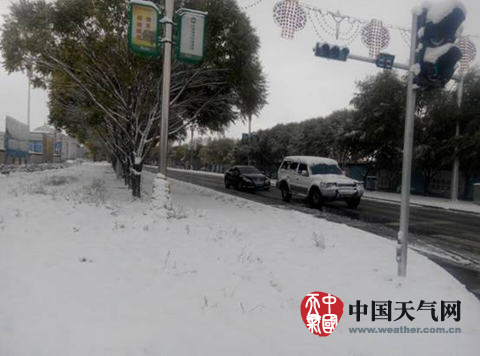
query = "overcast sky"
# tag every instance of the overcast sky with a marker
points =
(301, 86)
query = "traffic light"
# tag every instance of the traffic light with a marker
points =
(329, 51)
(437, 55)
(385, 61)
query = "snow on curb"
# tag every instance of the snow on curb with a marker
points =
(421, 201)
(204, 173)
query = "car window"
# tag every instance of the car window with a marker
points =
(293, 166)
(326, 169)
(302, 167)
(248, 169)
(285, 165)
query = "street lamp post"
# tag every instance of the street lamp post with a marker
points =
(249, 161)
(167, 66)
(402, 246)
(29, 74)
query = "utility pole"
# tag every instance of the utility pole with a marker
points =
(456, 161)
(29, 100)
(430, 72)
(402, 245)
(192, 146)
(29, 74)
(167, 71)
(249, 138)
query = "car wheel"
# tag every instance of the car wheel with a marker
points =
(227, 184)
(353, 203)
(316, 198)
(286, 195)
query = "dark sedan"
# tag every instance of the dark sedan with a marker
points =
(246, 178)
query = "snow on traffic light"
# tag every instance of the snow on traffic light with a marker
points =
(439, 24)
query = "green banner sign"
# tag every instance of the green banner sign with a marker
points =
(191, 26)
(144, 28)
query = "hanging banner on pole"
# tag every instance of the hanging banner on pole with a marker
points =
(143, 28)
(191, 27)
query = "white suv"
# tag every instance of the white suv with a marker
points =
(318, 179)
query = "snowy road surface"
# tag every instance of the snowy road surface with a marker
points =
(84, 270)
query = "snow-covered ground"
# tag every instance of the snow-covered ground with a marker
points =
(433, 202)
(86, 270)
(6, 169)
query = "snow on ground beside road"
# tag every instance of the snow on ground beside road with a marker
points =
(87, 270)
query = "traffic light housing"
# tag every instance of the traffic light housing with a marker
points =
(436, 54)
(329, 51)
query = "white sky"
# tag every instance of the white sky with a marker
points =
(301, 86)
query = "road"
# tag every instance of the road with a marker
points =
(451, 239)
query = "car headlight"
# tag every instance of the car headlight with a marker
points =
(247, 180)
(328, 185)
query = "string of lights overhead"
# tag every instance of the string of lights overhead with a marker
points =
(292, 16)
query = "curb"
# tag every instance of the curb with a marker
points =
(395, 202)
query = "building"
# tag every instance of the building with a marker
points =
(47, 145)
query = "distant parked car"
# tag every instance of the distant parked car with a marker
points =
(317, 179)
(246, 178)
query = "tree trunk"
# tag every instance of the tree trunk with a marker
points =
(466, 181)
(137, 180)
(426, 183)
(365, 176)
(126, 173)
(118, 168)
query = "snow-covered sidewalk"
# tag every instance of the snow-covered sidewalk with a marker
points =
(466, 206)
(86, 270)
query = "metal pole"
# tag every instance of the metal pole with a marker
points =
(249, 138)
(167, 67)
(192, 147)
(29, 98)
(374, 60)
(456, 161)
(395, 65)
(407, 160)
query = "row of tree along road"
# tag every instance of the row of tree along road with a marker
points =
(107, 96)
(102, 93)
(371, 133)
